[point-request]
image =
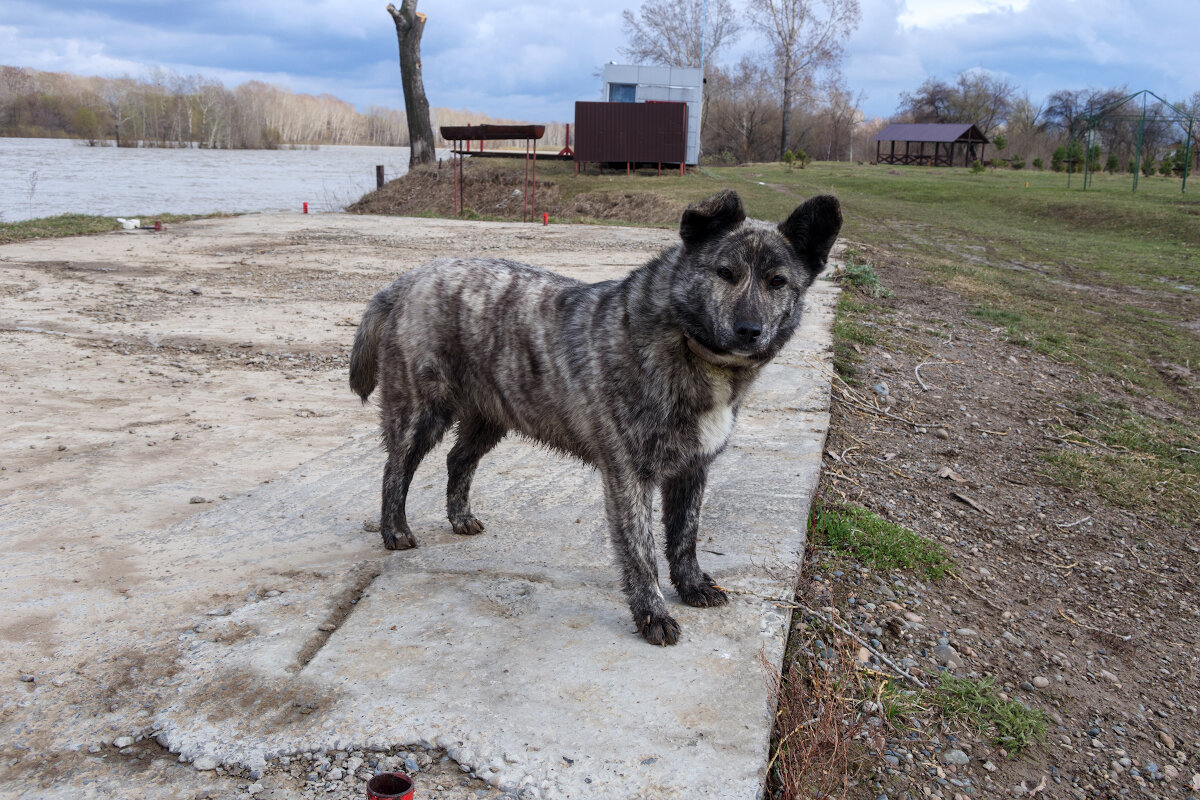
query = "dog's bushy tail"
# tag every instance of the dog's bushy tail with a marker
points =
(364, 358)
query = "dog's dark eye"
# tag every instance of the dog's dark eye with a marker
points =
(725, 274)
(777, 282)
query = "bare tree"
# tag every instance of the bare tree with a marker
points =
(841, 111)
(744, 113)
(806, 37)
(984, 99)
(975, 97)
(670, 32)
(409, 26)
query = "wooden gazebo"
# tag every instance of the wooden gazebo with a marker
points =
(930, 144)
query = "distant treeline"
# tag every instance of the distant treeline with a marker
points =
(168, 110)
(742, 122)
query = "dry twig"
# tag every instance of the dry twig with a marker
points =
(917, 371)
(1074, 621)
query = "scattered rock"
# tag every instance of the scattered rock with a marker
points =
(956, 757)
(122, 741)
(197, 500)
(204, 763)
(371, 525)
(1167, 739)
(947, 655)
(1041, 682)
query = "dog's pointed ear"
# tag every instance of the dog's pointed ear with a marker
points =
(711, 218)
(812, 229)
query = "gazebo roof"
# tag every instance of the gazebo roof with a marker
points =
(930, 132)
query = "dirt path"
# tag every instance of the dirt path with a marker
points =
(145, 376)
(1075, 606)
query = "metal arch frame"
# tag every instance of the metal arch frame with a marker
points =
(1092, 118)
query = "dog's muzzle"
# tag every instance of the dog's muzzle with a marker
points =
(722, 358)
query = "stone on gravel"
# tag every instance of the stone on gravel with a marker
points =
(204, 763)
(122, 741)
(1041, 682)
(947, 655)
(1167, 739)
(956, 757)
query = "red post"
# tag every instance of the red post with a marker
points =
(525, 199)
(567, 151)
(533, 197)
(546, 214)
(454, 170)
(306, 208)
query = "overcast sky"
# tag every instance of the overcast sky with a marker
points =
(531, 61)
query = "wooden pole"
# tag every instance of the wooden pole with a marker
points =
(379, 176)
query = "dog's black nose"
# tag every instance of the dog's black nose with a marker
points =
(747, 331)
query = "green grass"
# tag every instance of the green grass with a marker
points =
(899, 704)
(877, 543)
(862, 276)
(1131, 460)
(850, 331)
(77, 225)
(976, 704)
(1105, 280)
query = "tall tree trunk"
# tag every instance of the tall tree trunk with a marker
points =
(785, 111)
(409, 27)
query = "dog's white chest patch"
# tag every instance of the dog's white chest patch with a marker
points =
(717, 423)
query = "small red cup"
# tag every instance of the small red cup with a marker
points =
(390, 786)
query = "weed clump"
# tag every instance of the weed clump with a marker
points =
(862, 276)
(976, 704)
(877, 543)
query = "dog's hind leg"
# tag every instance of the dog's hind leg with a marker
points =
(629, 505)
(476, 436)
(407, 438)
(681, 499)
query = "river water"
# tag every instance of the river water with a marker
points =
(45, 177)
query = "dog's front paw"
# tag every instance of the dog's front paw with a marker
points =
(466, 525)
(660, 629)
(704, 594)
(399, 540)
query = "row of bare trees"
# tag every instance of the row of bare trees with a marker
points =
(757, 99)
(792, 97)
(168, 110)
(1025, 130)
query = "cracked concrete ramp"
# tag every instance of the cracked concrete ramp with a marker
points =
(514, 649)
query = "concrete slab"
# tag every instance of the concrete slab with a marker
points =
(513, 650)
(274, 623)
